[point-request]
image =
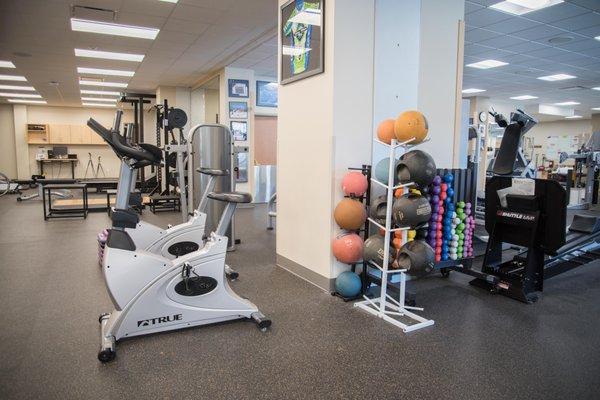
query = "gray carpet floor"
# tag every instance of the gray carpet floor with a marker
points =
(481, 346)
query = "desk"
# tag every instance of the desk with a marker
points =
(72, 161)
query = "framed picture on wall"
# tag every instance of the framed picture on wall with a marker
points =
(239, 129)
(266, 94)
(238, 88)
(301, 39)
(238, 109)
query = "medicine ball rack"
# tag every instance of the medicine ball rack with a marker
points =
(385, 306)
(364, 232)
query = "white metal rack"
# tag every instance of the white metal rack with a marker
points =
(386, 307)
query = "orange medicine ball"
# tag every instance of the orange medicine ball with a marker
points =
(350, 214)
(385, 131)
(411, 124)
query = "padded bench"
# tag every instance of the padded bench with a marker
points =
(77, 210)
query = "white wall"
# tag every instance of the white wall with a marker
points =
(304, 164)
(352, 139)
(438, 75)
(8, 158)
(540, 132)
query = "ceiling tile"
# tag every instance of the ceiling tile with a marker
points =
(477, 35)
(512, 25)
(579, 22)
(485, 17)
(539, 32)
(557, 12)
(526, 47)
(199, 14)
(502, 42)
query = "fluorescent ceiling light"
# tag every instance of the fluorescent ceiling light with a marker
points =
(101, 92)
(13, 78)
(98, 99)
(520, 7)
(554, 110)
(100, 71)
(524, 97)
(309, 16)
(106, 28)
(473, 90)
(485, 64)
(556, 77)
(596, 88)
(597, 38)
(109, 55)
(12, 87)
(85, 82)
(23, 95)
(574, 117)
(567, 103)
(294, 51)
(170, 1)
(27, 101)
(98, 105)
(6, 64)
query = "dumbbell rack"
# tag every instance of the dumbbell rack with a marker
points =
(366, 200)
(385, 306)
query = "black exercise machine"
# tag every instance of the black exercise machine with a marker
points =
(534, 217)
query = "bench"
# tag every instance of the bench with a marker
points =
(50, 189)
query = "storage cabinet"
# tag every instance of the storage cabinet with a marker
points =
(80, 134)
(60, 134)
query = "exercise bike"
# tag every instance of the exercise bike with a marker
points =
(175, 241)
(152, 293)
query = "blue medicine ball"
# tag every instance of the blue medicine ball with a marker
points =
(348, 284)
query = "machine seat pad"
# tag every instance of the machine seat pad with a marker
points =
(124, 218)
(119, 240)
(213, 172)
(585, 224)
(231, 197)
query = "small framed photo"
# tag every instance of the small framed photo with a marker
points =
(239, 129)
(301, 35)
(238, 88)
(266, 94)
(238, 110)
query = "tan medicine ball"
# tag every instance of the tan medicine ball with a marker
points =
(411, 124)
(350, 214)
(385, 131)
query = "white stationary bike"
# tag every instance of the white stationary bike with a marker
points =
(152, 293)
(174, 241)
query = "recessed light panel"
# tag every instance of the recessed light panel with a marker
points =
(486, 64)
(99, 99)
(13, 87)
(567, 103)
(520, 7)
(98, 105)
(473, 90)
(27, 101)
(524, 97)
(556, 77)
(596, 88)
(106, 28)
(574, 117)
(85, 82)
(100, 71)
(13, 78)
(100, 92)
(6, 64)
(23, 95)
(109, 55)
(596, 108)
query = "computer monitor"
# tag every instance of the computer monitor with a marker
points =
(60, 151)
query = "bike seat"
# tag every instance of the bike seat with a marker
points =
(231, 197)
(213, 172)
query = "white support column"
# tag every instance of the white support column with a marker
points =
(21, 146)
